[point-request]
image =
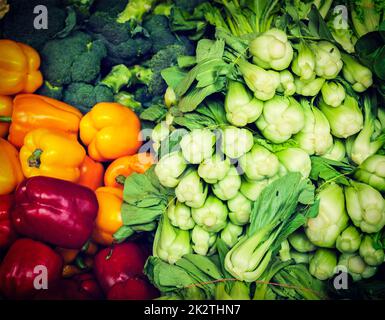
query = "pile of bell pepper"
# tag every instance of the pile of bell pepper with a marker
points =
(61, 190)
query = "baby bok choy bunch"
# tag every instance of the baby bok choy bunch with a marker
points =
(276, 167)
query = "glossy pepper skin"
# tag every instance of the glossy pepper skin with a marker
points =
(91, 174)
(52, 154)
(109, 218)
(121, 168)
(79, 287)
(132, 289)
(7, 232)
(5, 115)
(17, 270)
(117, 267)
(32, 111)
(10, 170)
(19, 68)
(110, 131)
(55, 211)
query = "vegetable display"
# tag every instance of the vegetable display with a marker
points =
(195, 150)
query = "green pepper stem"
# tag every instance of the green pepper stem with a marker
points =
(120, 179)
(5, 119)
(34, 159)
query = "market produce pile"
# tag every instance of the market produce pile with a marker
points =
(221, 149)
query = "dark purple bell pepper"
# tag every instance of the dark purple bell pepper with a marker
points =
(55, 211)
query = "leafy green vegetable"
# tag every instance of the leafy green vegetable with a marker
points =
(330, 170)
(145, 199)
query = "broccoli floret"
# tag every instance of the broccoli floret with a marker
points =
(160, 32)
(75, 58)
(135, 10)
(163, 59)
(121, 45)
(51, 91)
(148, 74)
(18, 24)
(84, 96)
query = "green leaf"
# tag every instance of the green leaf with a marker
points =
(203, 66)
(296, 222)
(330, 170)
(123, 233)
(196, 96)
(317, 26)
(209, 49)
(214, 109)
(145, 200)
(186, 61)
(167, 277)
(379, 66)
(204, 264)
(173, 76)
(171, 143)
(133, 215)
(276, 147)
(193, 121)
(154, 113)
(222, 252)
(277, 202)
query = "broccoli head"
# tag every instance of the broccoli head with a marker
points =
(163, 59)
(160, 33)
(84, 96)
(147, 74)
(76, 58)
(122, 45)
(18, 23)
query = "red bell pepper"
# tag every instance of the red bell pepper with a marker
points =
(82, 287)
(79, 287)
(55, 211)
(132, 289)
(119, 271)
(7, 232)
(26, 267)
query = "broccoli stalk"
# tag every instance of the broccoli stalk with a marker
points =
(122, 75)
(135, 10)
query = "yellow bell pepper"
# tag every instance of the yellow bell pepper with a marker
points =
(10, 170)
(51, 153)
(19, 68)
(110, 131)
(109, 218)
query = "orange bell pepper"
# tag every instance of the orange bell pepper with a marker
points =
(10, 170)
(32, 111)
(121, 168)
(110, 131)
(91, 174)
(5, 114)
(19, 68)
(51, 153)
(109, 218)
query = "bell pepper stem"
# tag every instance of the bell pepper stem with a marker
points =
(120, 179)
(5, 119)
(34, 159)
